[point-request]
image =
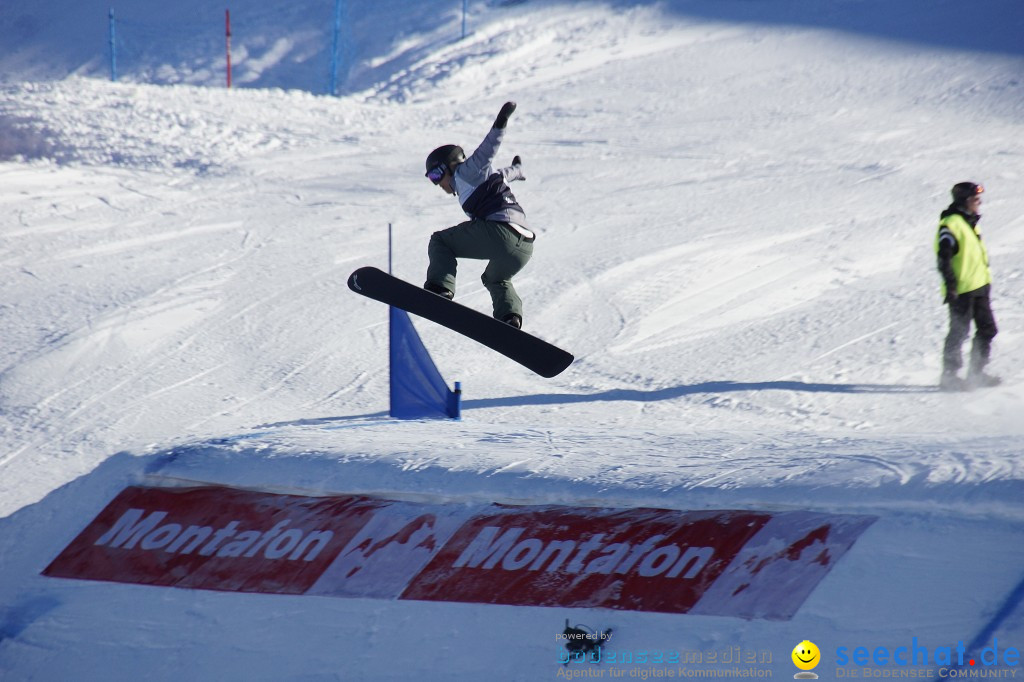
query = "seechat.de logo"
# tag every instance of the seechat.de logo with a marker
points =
(953, 661)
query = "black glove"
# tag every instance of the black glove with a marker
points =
(503, 115)
(517, 163)
(951, 296)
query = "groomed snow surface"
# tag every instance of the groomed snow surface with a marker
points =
(736, 204)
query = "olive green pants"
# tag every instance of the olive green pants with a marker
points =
(505, 251)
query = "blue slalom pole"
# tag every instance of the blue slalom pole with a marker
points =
(113, 48)
(334, 49)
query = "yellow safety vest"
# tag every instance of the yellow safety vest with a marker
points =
(970, 263)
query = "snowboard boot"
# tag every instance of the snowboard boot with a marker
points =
(950, 383)
(981, 380)
(439, 290)
(513, 320)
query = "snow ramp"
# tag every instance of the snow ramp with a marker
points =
(261, 557)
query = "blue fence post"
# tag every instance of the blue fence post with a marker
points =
(113, 48)
(455, 402)
(334, 50)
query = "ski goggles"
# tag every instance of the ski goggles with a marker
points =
(436, 173)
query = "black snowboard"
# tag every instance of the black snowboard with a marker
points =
(533, 353)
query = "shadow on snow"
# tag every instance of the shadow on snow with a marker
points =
(632, 395)
(674, 392)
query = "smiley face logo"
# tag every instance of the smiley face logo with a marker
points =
(806, 655)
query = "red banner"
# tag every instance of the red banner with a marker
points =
(636, 559)
(214, 539)
(728, 563)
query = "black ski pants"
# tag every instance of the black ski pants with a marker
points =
(970, 306)
(506, 252)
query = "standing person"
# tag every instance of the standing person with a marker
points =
(966, 283)
(496, 231)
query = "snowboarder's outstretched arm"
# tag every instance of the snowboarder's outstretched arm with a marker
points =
(478, 167)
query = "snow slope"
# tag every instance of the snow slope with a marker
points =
(736, 203)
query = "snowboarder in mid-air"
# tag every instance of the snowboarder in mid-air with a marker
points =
(496, 231)
(963, 264)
